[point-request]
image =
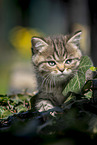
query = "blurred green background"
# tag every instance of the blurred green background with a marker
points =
(22, 19)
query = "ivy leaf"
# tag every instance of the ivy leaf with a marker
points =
(93, 68)
(21, 108)
(88, 95)
(2, 109)
(76, 83)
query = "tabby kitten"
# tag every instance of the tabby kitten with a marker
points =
(56, 60)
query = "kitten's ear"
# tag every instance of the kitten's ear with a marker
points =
(75, 39)
(38, 44)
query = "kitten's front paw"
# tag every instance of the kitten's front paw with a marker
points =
(53, 113)
(45, 105)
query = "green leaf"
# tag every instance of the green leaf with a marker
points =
(16, 100)
(21, 108)
(87, 86)
(93, 68)
(76, 83)
(4, 99)
(2, 109)
(88, 95)
(6, 113)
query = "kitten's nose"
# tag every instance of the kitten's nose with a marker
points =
(61, 69)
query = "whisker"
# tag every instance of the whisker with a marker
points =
(54, 83)
(47, 84)
(50, 85)
(47, 75)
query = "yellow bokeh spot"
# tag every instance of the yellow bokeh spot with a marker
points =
(20, 38)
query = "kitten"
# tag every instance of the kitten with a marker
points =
(56, 60)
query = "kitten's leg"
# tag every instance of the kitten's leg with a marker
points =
(45, 101)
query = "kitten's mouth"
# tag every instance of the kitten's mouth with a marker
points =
(61, 75)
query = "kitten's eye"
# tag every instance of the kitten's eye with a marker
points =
(68, 61)
(51, 63)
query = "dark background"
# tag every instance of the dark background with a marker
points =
(43, 17)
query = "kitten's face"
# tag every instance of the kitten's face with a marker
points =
(56, 57)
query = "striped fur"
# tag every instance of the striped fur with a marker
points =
(56, 60)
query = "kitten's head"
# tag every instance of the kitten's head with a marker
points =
(57, 56)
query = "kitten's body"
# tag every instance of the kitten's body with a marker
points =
(56, 60)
